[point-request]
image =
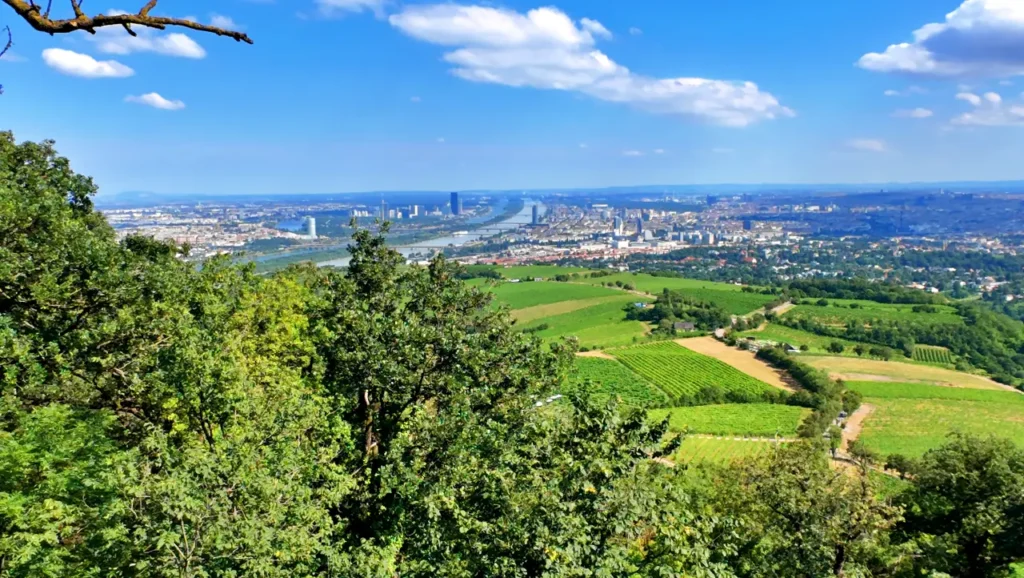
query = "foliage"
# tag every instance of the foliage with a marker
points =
(929, 354)
(799, 518)
(965, 507)
(158, 419)
(694, 379)
(672, 306)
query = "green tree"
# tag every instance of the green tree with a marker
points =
(798, 517)
(836, 347)
(965, 507)
(860, 350)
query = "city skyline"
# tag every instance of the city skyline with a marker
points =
(516, 95)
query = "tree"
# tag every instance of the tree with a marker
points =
(39, 18)
(162, 419)
(795, 516)
(835, 439)
(860, 350)
(902, 464)
(965, 507)
(836, 347)
(864, 455)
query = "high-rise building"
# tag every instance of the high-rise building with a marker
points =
(414, 211)
(383, 209)
(456, 204)
(748, 225)
(311, 227)
(536, 214)
(617, 225)
(639, 226)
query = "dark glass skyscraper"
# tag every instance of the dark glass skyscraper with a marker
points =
(536, 214)
(456, 204)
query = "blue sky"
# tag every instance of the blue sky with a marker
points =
(361, 95)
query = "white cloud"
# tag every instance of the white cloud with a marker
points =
(77, 64)
(594, 27)
(990, 110)
(117, 41)
(440, 139)
(1005, 83)
(979, 38)
(156, 101)
(909, 91)
(583, 145)
(634, 31)
(334, 7)
(913, 113)
(544, 48)
(868, 144)
(221, 21)
(632, 154)
(415, 99)
(659, 151)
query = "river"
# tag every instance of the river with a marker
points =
(520, 219)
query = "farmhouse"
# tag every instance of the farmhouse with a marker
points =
(683, 326)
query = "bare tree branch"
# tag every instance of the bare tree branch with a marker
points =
(10, 41)
(42, 22)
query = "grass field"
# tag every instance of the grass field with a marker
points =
(533, 293)
(933, 354)
(725, 295)
(696, 450)
(610, 378)
(896, 390)
(887, 486)
(529, 314)
(913, 426)
(838, 312)
(745, 419)
(597, 326)
(856, 369)
(681, 372)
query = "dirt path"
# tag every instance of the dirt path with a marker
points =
(599, 354)
(854, 424)
(783, 308)
(744, 361)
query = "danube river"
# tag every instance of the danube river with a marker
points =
(520, 219)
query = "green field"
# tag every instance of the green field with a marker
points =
(725, 295)
(682, 373)
(610, 378)
(896, 390)
(933, 354)
(869, 311)
(597, 326)
(533, 293)
(857, 369)
(745, 419)
(699, 450)
(887, 486)
(535, 271)
(913, 426)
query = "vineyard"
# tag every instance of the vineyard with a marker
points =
(697, 450)
(691, 378)
(746, 419)
(895, 390)
(930, 354)
(605, 378)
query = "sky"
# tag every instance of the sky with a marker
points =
(371, 95)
